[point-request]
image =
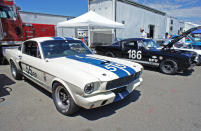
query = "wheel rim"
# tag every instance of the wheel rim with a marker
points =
(62, 98)
(13, 70)
(169, 66)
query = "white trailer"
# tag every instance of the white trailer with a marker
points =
(133, 15)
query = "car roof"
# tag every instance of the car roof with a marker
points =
(42, 39)
(136, 39)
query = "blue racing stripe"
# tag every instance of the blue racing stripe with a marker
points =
(68, 38)
(117, 98)
(58, 38)
(123, 95)
(119, 69)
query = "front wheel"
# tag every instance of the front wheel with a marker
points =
(63, 100)
(168, 67)
(15, 73)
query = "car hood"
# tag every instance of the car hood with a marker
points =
(187, 53)
(84, 69)
(170, 44)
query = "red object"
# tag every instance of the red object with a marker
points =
(37, 30)
(7, 2)
(13, 29)
(170, 36)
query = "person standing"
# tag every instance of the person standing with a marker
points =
(166, 35)
(143, 33)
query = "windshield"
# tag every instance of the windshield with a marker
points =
(150, 44)
(61, 48)
(7, 12)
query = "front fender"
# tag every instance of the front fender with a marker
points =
(72, 89)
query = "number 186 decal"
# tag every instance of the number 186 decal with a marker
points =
(133, 54)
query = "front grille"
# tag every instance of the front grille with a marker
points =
(121, 82)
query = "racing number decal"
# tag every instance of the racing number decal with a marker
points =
(113, 67)
(30, 72)
(133, 54)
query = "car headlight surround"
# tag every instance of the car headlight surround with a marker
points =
(91, 88)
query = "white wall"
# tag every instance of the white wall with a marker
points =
(177, 26)
(135, 18)
(189, 25)
(102, 7)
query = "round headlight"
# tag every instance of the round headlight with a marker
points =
(89, 88)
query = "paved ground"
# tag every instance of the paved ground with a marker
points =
(162, 103)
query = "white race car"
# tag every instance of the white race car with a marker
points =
(72, 73)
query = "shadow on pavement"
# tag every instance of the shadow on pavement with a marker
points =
(4, 89)
(97, 113)
(39, 88)
(105, 111)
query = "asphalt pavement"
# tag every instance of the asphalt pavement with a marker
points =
(161, 103)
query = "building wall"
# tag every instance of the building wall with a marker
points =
(135, 18)
(106, 9)
(31, 17)
(188, 25)
(102, 7)
(174, 26)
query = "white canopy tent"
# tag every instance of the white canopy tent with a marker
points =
(91, 20)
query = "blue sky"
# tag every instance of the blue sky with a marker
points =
(187, 10)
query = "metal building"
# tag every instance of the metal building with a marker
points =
(174, 26)
(133, 15)
(41, 18)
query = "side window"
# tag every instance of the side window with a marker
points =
(130, 45)
(31, 48)
(140, 45)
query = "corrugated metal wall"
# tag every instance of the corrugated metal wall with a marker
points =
(136, 18)
(132, 16)
(174, 26)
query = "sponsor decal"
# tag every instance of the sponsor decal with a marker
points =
(29, 71)
(119, 69)
(153, 59)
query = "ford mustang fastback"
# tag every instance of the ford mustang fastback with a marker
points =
(72, 73)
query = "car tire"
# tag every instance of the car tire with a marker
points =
(110, 54)
(199, 61)
(17, 75)
(63, 100)
(169, 67)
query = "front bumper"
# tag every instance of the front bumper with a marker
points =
(108, 97)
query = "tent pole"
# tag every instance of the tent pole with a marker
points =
(89, 37)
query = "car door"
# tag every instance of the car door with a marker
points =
(31, 62)
(131, 50)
